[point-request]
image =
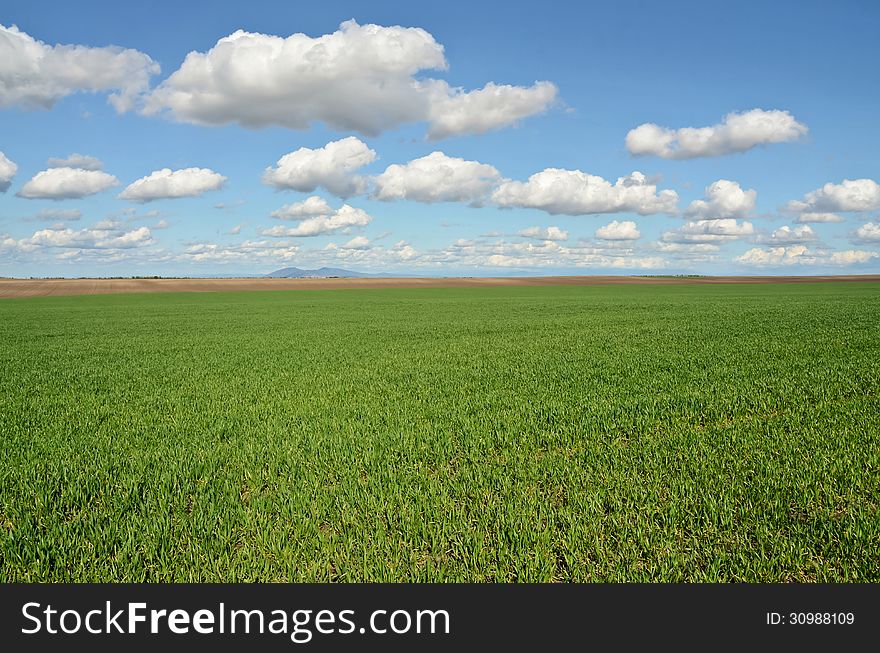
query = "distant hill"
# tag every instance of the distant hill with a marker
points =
(320, 273)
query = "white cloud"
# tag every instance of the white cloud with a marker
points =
(851, 257)
(404, 251)
(663, 246)
(437, 178)
(801, 255)
(66, 183)
(775, 256)
(358, 242)
(103, 235)
(36, 75)
(805, 218)
(553, 255)
(689, 251)
(249, 250)
(357, 255)
(573, 192)
(80, 161)
(724, 199)
(168, 184)
(481, 254)
(344, 217)
(617, 230)
(455, 112)
(7, 172)
(738, 132)
(357, 78)
(234, 231)
(539, 233)
(786, 235)
(309, 208)
(868, 233)
(360, 78)
(707, 231)
(849, 195)
(330, 167)
(108, 224)
(8, 244)
(56, 243)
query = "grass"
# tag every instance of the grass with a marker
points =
(616, 433)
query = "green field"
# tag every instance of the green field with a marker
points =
(616, 433)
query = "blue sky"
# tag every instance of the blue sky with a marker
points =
(528, 109)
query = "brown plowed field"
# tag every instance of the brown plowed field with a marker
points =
(46, 287)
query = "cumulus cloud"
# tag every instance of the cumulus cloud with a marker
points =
(737, 132)
(707, 231)
(868, 233)
(77, 161)
(107, 234)
(87, 239)
(786, 235)
(851, 257)
(849, 195)
(801, 255)
(455, 112)
(360, 254)
(358, 242)
(775, 256)
(805, 218)
(360, 78)
(357, 78)
(664, 246)
(168, 184)
(107, 225)
(36, 75)
(66, 183)
(8, 244)
(437, 178)
(689, 251)
(546, 254)
(344, 217)
(539, 233)
(724, 199)
(331, 167)
(619, 230)
(573, 192)
(249, 250)
(309, 208)
(234, 231)
(7, 172)
(404, 251)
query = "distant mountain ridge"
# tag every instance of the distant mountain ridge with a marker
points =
(320, 273)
